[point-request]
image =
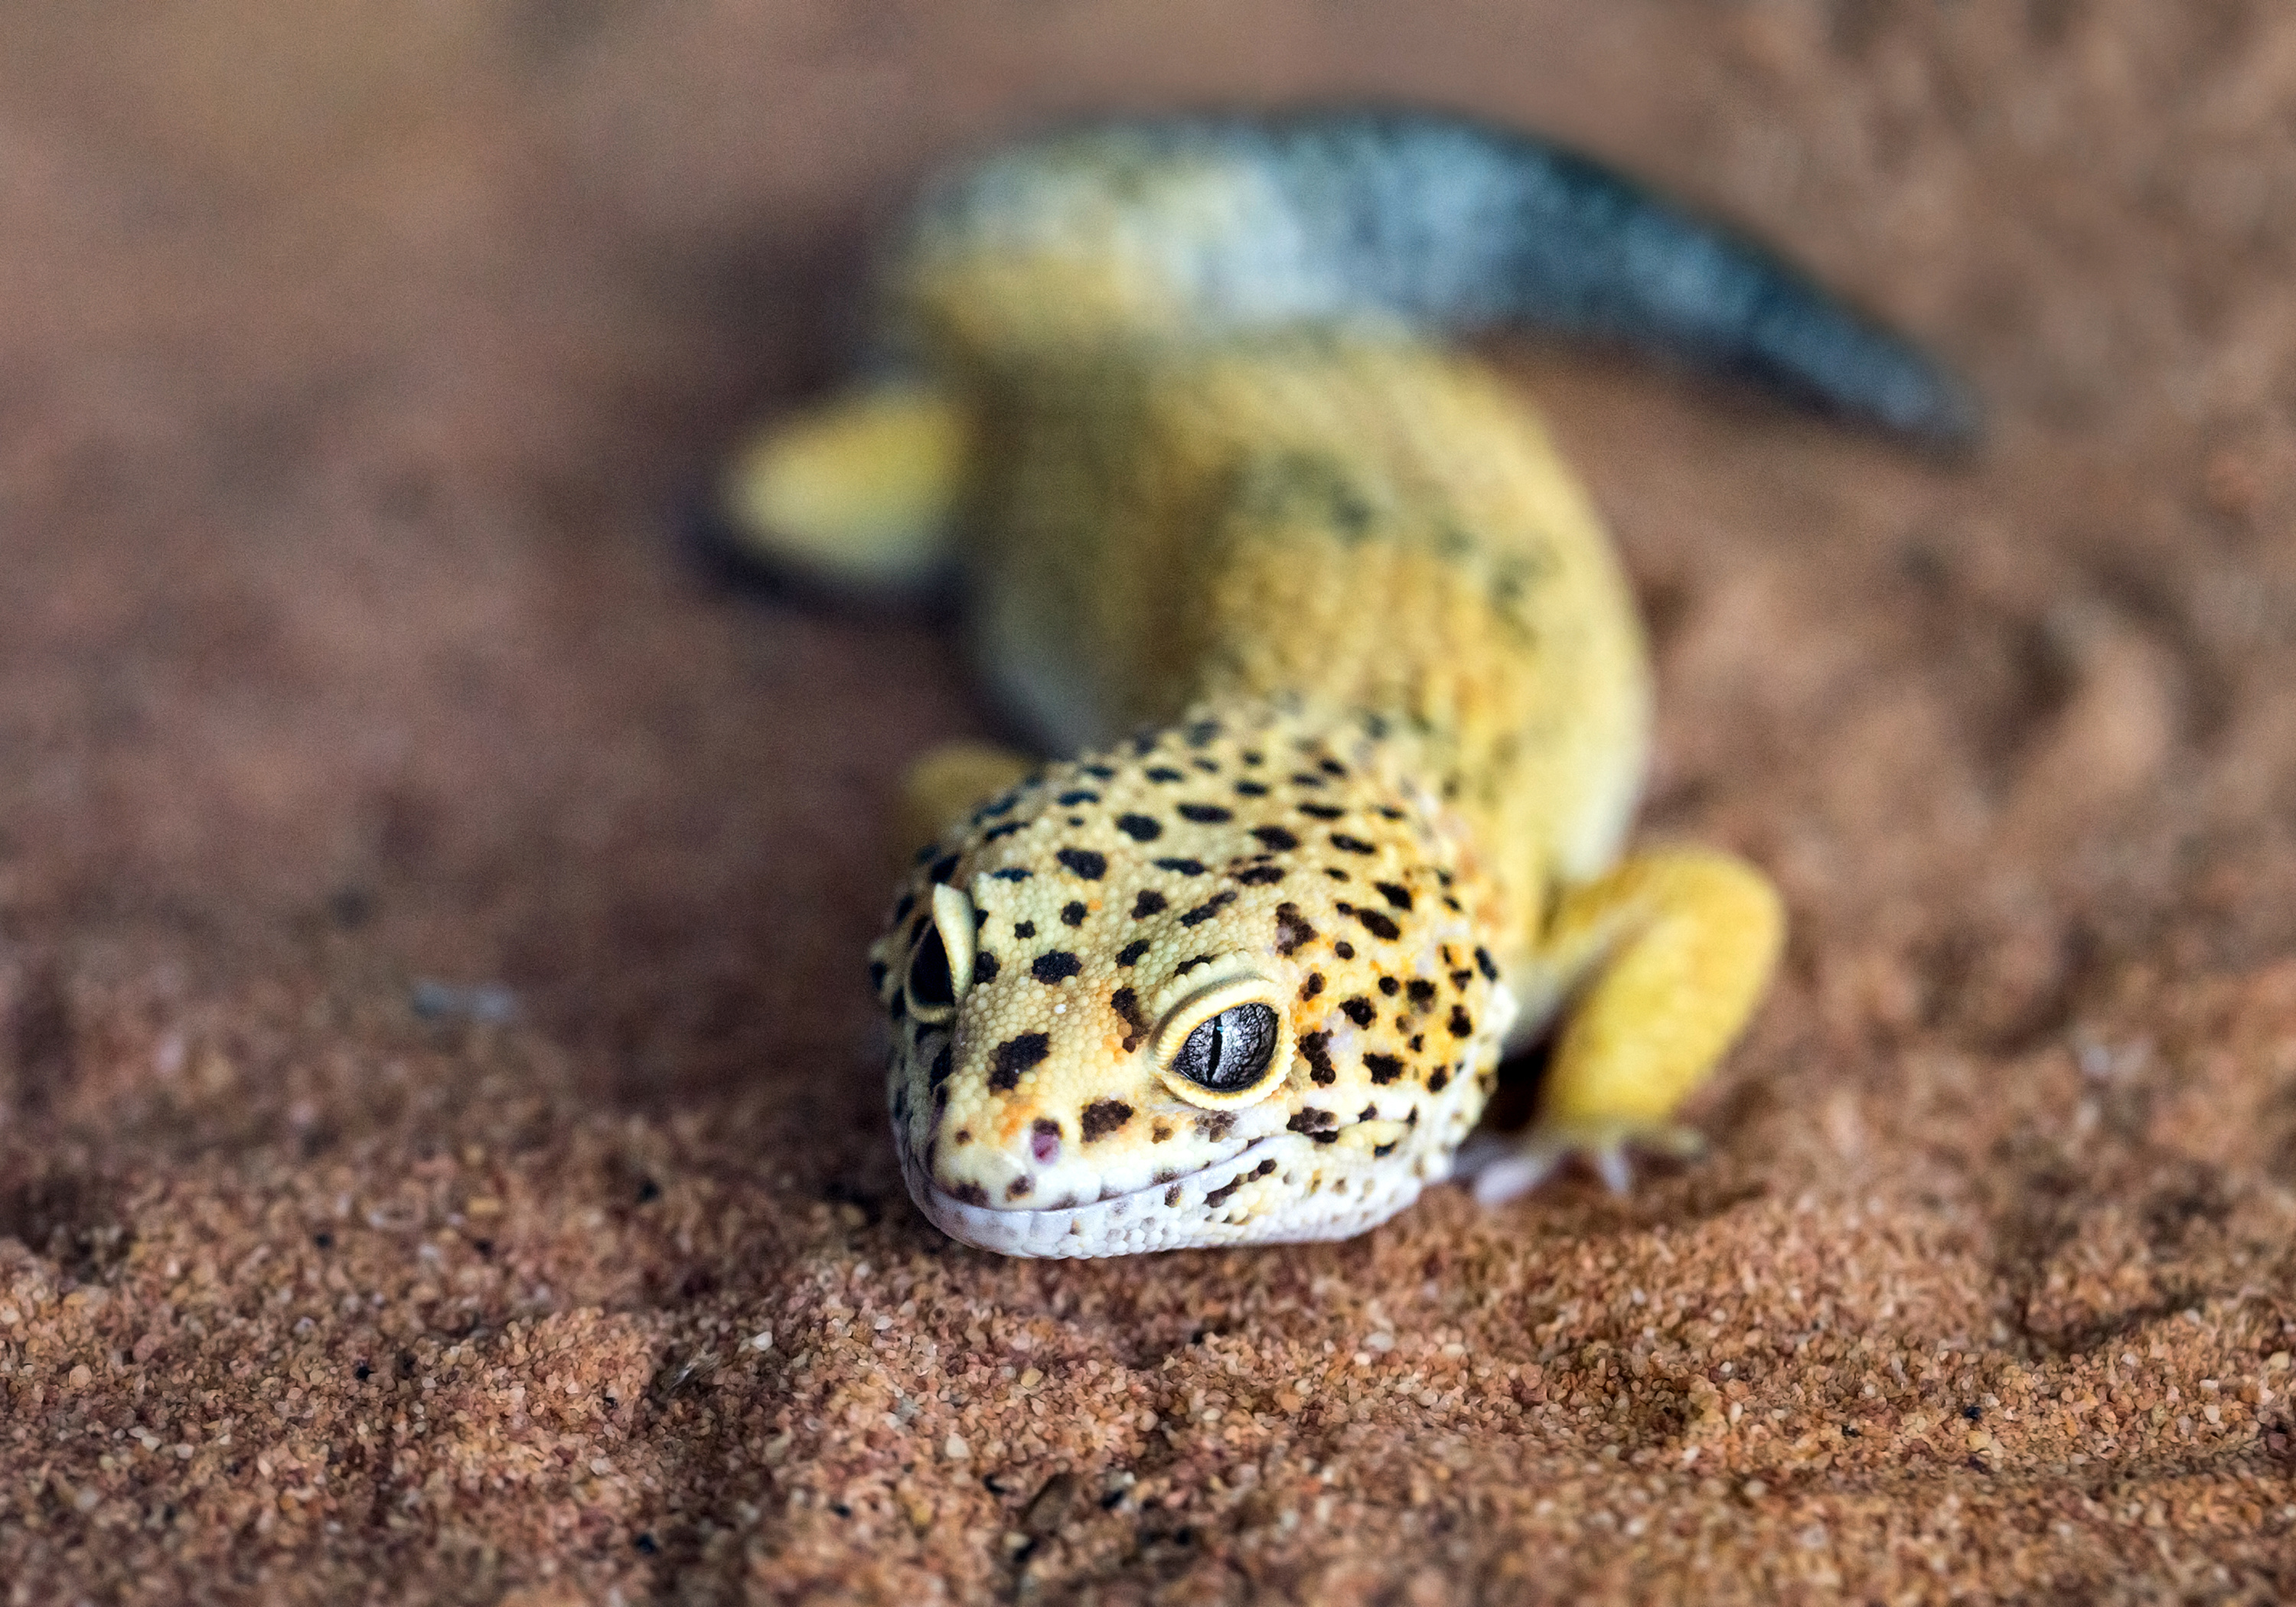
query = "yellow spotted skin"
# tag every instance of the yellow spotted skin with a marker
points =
(1395, 707)
(1360, 709)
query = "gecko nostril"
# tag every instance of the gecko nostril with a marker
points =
(1045, 1141)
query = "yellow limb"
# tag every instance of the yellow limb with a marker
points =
(863, 489)
(947, 785)
(1672, 951)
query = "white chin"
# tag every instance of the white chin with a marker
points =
(1172, 1216)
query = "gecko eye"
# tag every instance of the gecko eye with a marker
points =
(941, 968)
(1231, 1051)
(1224, 1047)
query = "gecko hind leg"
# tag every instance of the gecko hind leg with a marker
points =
(861, 491)
(1671, 952)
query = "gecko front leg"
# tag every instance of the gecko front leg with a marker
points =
(1662, 960)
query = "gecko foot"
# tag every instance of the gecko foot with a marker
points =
(1500, 1169)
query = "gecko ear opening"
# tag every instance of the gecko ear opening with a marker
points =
(1225, 1046)
(941, 970)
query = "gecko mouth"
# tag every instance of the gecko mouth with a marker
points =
(1156, 1217)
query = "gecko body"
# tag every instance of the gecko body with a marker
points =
(1357, 702)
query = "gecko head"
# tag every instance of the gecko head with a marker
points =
(1220, 985)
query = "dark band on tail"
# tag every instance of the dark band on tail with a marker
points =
(1454, 224)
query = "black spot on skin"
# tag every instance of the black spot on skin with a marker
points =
(984, 967)
(1100, 772)
(1149, 903)
(1172, 1196)
(876, 976)
(1072, 915)
(1258, 875)
(1069, 801)
(1011, 873)
(1352, 845)
(1252, 756)
(902, 907)
(1335, 873)
(1302, 779)
(1400, 897)
(1103, 1117)
(1130, 954)
(1158, 1134)
(1460, 978)
(1166, 772)
(1314, 1048)
(1321, 811)
(1083, 861)
(1344, 950)
(1389, 985)
(1291, 928)
(1215, 1124)
(1331, 766)
(1127, 1005)
(1312, 986)
(943, 868)
(972, 1193)
(1463, 1025)
(1370, 1113)
(1202, 733)
(941, 1066)
(1384, 1068)
(1209, 908)
(1014, 1056)
(1275, 838)
(1140, 828)
(1422, 992)
(1006, 830)
(1251, 789)
(1205, 814)
(1055, 966)
(1191, 964)
(1018, 1189)
(1219, 1196)
(1206, 765)
(1390, 812)
(1487, 966)
(1024, 929)
(1360, 1010)
(1184, 867)
(895, 1008)
(1381, 1152)
(1438, 1080)
(1310, 1119)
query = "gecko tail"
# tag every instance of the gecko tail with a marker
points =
(1213, 225)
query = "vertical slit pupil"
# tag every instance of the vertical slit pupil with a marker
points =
(1231, 1051)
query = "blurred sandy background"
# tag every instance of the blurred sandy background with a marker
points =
(440, 1155)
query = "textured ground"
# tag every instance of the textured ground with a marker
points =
(355, 360)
